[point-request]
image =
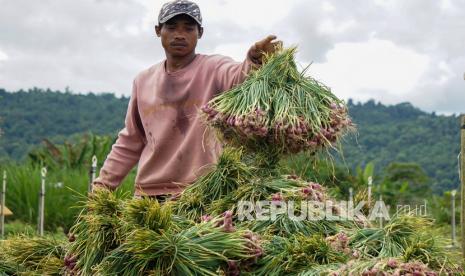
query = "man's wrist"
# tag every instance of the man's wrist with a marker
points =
(253, 57)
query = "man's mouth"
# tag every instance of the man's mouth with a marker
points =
(178, 45)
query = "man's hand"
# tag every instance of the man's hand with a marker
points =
(264, 46)
(97, 186)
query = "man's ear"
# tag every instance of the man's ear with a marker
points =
(158, 30)
(200, 32)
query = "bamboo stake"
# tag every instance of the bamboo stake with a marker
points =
(370, 183)
(381, 218)
(42, 202)
(351, 195)
(93, 173)
(3, 205)
(462, 179)
(453, 193)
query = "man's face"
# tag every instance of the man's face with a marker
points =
(179, 35)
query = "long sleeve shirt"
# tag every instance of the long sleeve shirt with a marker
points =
(163, 131)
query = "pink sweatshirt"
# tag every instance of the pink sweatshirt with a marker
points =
(163, 132)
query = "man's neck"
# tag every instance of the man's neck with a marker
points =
(174, 64)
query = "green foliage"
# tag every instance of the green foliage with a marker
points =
(404, 235)
(97, 230)
(140, 237)
(198, 250)
(403, 133)
(72, 155)
(148, 213)
(285, 226)
(64, 188)
(36, 255)
(223, 178)
(381, 266)
(33, 115)
(17, 227)
(398, 183)
(289, 256)
(363, 174)
(389, 241)
(441, 208)
(404, 183)
(386, 134)
(427, 249)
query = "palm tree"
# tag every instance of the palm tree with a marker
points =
(72, 155)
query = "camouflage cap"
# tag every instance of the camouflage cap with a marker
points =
(177, 7)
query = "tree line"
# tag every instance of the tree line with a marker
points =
(385, 134)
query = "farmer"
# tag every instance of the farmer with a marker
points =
(163, 132)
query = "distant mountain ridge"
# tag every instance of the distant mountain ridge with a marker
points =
(401, 133)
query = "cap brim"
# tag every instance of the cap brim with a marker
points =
(178, 13)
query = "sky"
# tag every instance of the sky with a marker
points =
(391, 51)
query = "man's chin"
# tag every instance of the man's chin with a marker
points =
(179, 54)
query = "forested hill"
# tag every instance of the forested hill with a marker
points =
(403, 133)
(400, 133)
(26, 117)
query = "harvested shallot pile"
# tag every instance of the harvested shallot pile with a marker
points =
(279, 107)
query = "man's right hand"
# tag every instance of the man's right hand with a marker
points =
(262, 47)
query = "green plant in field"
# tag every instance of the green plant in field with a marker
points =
(36, 255)
(428, 248)
(227, 175)
(147, 213)
(286, 227)
(7, 267)
(441, 208)
(262, 189)
(392, 239)
(407, 236)
(17, 227)
(72, 155)
(140, 236)
(255, 189)
(288, 256)
(197, 250)
(64, 189)
(380, 266)
(404, 182)
(97, 231)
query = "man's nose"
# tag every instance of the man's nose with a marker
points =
(178, 35)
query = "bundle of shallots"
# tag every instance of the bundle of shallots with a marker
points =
(279, 108)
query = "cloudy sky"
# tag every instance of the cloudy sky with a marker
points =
(390, 51)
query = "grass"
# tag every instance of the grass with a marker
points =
(64, 188)
(33, 255)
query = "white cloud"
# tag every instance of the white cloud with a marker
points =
(88, 45)
(427, 28)
(351, 69)
(244, 13)
(3, 56)
(447, 5)
(330, 27)
(235, 50)
(327, 7)
(446, 73)
(389, 50)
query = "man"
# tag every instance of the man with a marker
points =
(163, 132)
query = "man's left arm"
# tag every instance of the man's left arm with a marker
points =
(230, 73)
